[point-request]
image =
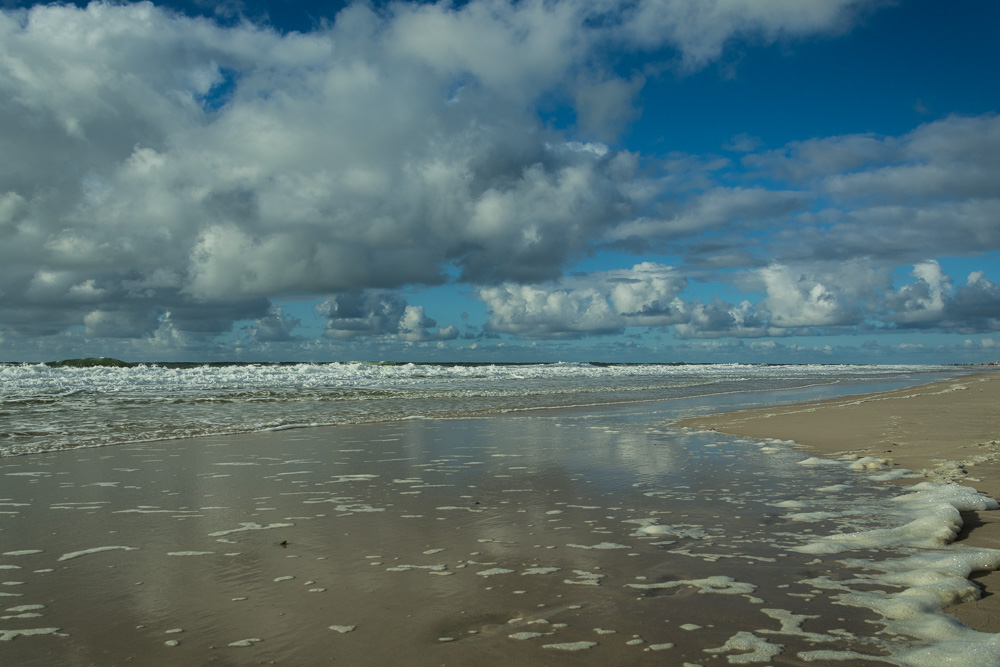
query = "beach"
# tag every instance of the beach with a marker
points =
(605, 535)
(948, 431)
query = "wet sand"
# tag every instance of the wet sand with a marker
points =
(536, 539)
(948, 431)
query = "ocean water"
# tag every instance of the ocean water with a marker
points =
(45, 408)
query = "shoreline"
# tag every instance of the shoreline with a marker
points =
(358, 543)
(948, 431)
(455, 542)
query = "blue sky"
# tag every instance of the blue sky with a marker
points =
(654, 180)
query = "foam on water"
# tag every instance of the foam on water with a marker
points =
(928, 517)
(50, 407)
(95, 550)
(9, 635)
(630, 490)
(910, 593)
(571, 646)
(343, 629)
(752, 647)
(249, 525)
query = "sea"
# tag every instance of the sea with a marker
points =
(97, 403)
(485, 513)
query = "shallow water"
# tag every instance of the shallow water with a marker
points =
(45, 408)
(586, 536)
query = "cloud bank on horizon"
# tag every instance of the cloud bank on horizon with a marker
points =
(176, 185)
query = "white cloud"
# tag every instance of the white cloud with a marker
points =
(718, 319)
(701, 29)
(824, 298)
(931, 301)
(597, 304)
(324, 169)
(155, 163)
(801, 300)
(361, 314)
(539, 312)
(922, 301)
(414, 326)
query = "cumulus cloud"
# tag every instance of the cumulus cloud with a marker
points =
(718, 319)
(922, 301)
(165, 176)
(275, 327)
(597, 304)
(846, 298)
(931, 301)
(540, 312)
(156, 162)
(381, 314)
(798, 299)
(851, 297)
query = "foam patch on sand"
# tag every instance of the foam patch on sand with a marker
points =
(754, 649)
(819, 461)
(250, 526)
(246, 642)
(343, 629)
(911, 593)
(601, 546)
(659, 647)
(571, 646)
(585, 578)
(494, 571)
(914, 608)
(353, 478)
(929, 517)
(651, 527)
(9, 635)
(406, 568)
(716, 584)
(87, 552)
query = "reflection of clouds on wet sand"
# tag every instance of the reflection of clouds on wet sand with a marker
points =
(514, 538)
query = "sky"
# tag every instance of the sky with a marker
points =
(497, 181)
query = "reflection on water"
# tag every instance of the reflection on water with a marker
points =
(46, 408)
(487, 541)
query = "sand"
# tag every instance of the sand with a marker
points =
(948, 431)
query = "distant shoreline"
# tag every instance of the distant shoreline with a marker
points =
(111, 362)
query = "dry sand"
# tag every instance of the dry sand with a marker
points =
(949, 431)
